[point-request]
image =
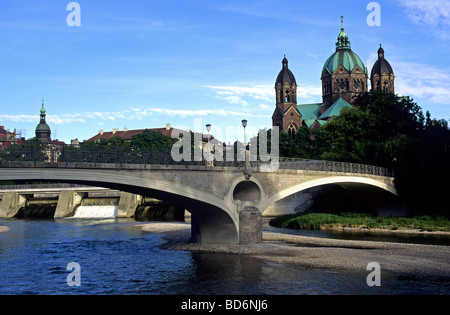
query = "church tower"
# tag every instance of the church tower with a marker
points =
(382, 76)
(43, 131)
(344, 74)
(286, 115)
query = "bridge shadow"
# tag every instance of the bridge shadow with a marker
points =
(342, 197)
(209, 224)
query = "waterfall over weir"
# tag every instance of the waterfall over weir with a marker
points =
(97, 208)
(96, 212)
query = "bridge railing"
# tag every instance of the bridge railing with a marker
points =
(332, 166)
(133, 155)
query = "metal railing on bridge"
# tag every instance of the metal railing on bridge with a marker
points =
(133, 155)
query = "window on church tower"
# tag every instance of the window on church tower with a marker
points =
(356, 85)
(291, 131)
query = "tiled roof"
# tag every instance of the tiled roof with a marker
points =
(335, 109)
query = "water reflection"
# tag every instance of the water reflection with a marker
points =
(116, 257)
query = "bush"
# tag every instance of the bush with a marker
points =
(318, 221)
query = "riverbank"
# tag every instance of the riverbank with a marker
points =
(329, 221)
(312, 252)
(385, 231)
(3, 229)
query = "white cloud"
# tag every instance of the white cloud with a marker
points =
(130, 114)
(241, 95)
(20, 118)
(422, 81)
(236, 94)
(435, 14)
(309, 93)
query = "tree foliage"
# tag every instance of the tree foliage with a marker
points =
(390, 131)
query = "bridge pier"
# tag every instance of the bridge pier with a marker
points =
(250, 226)
(128, 204)
(68, 201)
(11, 204)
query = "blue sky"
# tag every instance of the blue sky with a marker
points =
(144, 63)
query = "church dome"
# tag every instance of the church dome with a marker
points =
(344, 56)
(43, 127)
(43, 131)
(286, 76)
(381, 65)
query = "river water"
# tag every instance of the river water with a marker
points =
(116, 257)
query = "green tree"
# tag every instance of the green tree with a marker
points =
(31, 150)
(153, 140)
(349, 137)
(391, 131)
(301, 146)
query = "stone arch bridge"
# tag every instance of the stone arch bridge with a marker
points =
(225, 202)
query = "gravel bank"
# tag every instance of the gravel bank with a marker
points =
(321, 253)
(3, 229)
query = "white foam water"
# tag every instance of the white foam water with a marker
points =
(96, 212)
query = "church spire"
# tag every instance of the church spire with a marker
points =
(285, 62)
(380, 53)
(43, 112)
(343, 42)
(43, 131)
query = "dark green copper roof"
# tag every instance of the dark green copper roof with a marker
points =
(335, 109)
(344, 56)
(43, 124)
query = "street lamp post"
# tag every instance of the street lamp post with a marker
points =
(208, 128)
(247, 173)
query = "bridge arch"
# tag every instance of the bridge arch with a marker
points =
(212, 222)
(327, 181)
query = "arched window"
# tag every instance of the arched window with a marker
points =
(287, 96)
(291, 131)
(378, 86)
(356, 85)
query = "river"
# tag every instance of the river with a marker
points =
(117, 257)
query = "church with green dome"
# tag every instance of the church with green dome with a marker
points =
(43, 131)
(344, 77)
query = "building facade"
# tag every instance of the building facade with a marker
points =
(286, 115)
(7, 138)
(344, 77)
(382, 76)
(43, 131)
(344, 74)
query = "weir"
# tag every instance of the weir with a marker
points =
(85, 204)
(97, 208)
